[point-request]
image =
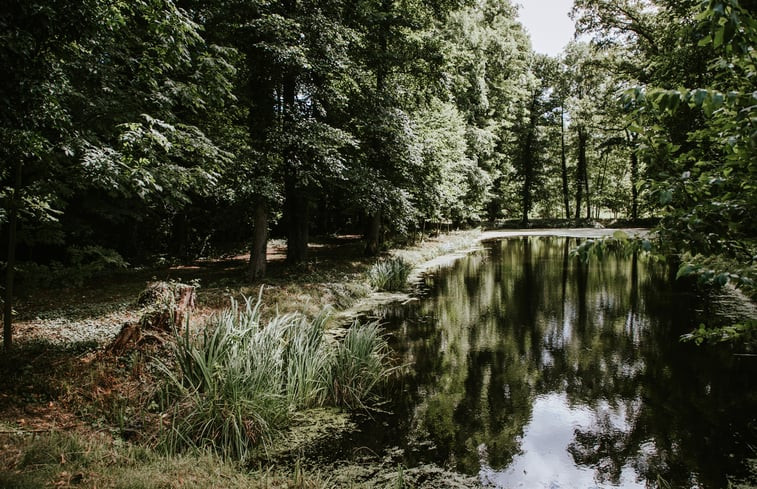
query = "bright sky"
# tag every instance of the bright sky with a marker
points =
(548, 24)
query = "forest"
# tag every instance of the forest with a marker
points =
(134, 132)
(147, 133)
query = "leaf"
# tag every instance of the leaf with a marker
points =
(718, 41)
(685, 270)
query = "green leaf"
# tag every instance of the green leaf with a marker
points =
(718, 41)
(685, 270)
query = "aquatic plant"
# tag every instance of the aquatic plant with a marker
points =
(390, 274)
(359, 364)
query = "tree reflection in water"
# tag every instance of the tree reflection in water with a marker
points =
(531, 368)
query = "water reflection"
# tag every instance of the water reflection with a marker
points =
(532, 369)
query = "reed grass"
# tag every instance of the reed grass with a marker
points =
(390, 274)
(239, 381)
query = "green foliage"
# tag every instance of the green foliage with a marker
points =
(390, 274)
(82, 265)
(719, 270)
(746, 332)
(359, 365)
(618, 244)
(692, 113)
(241, 379)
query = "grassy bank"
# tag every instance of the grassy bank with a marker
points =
(183, 414)
(65, 460)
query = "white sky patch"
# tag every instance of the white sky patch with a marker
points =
(547, 23)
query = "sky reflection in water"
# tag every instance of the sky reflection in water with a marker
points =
(532, 369)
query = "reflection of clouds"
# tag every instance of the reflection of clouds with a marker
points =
(559, 372)
(545, 460)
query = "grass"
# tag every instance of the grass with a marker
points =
(240, 381)
(358, 366)
(390, 274)
(58, 377)
(64, 460)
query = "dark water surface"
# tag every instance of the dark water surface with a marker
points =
(530, 369)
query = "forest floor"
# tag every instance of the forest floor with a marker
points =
(73, 415)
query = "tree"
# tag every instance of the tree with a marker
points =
(399, 59)
(691, 121)
(72, 64)
(488, 59)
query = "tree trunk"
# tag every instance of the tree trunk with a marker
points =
(297, 221)
(634, 183)
(373, 235)
(564, 165)
(528, 160)
(580, 171)
(588, 195)
(167, 308)
(10, 267)
(259, 246)
(528, 177)
(180, 238)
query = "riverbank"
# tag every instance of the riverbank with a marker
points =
(103, 404)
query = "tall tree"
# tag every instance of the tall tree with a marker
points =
(101, 100)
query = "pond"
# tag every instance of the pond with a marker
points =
(528, 368)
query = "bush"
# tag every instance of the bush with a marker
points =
(390, 274)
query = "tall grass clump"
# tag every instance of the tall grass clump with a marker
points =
(360, 363)
(241, 379)
(390, 274)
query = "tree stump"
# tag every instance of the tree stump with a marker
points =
(167, 306)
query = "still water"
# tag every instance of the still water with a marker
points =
(530, 369)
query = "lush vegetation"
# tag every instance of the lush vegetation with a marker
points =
(140, 132)
(135, 133)
(242, 379)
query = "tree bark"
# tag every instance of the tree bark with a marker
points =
(167, 307)
(259, 246)
(586, 189)
(527, 160)
(564, 165)
(10, 267)
(528, 176)
(180, 238)
(634, 183)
